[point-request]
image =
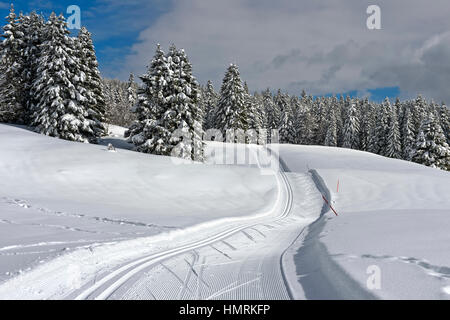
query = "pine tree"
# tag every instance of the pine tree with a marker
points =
(131, 100)
(184, 114)
(169, 117)
(314, 118)
(287, 127)
(151, 104)
(331, 136)
(351, 129)
(232, 110)
(33, 29)
(382, 128)
(131, 90)
(304, 125)
(256, 119)
(272, 110)
(210, 99)
(419, 111)
(11, 68)
(317, 126)
(408, 135)
(431, 146)
(393, 149)
(90, 84)
(60, 105)
(444, 119)
(367, 124)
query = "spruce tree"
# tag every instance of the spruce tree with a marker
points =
(366, 122)
(256, 118)
(393, 149)
(304, 132)
(272, 111)
(11, 68)
(169, 119)
(232, 112)
(34, 26)
(408, 135)
(382, 128)
(351, 129)
(444, 119)
(184, 114)
(131, 90)
(431, 146)
(150, 106)
(90, 84)
(210, 99)
(331, 135)
(60, 111)
(287, 127)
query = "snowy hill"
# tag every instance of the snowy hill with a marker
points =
(56, 195)
(393, 214)
(106, 217)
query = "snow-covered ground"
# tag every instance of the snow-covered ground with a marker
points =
(79, 221)
(394, 217)
(57, 196)
(249, 232)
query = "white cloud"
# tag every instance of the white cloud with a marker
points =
(321, 46)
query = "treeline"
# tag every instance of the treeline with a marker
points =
(170, 99)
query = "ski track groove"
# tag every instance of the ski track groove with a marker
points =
(250, 282)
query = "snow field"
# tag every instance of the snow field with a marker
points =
(393, 215)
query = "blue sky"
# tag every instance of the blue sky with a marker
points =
(115, 25)
(324, 48)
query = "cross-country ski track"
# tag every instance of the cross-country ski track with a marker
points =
(241, 261)
(235, 256)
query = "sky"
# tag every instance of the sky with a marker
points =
(323, 47)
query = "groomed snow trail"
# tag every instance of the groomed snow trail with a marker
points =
(243, 261)
(231, 257)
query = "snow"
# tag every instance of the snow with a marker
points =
(57, 196)
(77, 221)
(392, 214)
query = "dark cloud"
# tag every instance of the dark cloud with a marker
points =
(321, 46)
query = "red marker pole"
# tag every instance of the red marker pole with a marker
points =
(326, 201)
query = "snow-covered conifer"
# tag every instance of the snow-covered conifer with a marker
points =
(288, 132)
(272, 111)
(169, 117)
(408, 134)
(11, 68)
(444, 120)
(351, 129)
(331, 136)
(151, 104)
(90, 83)
(60, 108)
(393, 148)
(210, 99)
(184, 115)
(382, 127)
(131, 90)
(33, 31)
(232, 110)
(431, 146)
(304, 132)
